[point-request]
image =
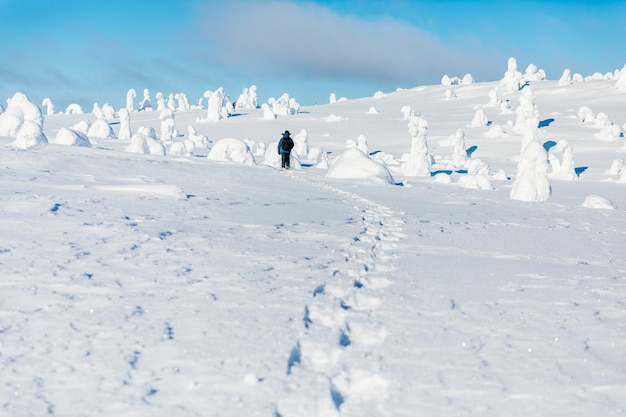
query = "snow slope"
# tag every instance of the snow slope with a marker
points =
(182, 286)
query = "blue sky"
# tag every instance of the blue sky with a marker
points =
(86, 51)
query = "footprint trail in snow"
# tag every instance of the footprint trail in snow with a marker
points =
(334, 367)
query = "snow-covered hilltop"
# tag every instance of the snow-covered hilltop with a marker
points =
(454, 249)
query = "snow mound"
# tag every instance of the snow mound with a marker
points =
(597, 202)
(145, 144)
(231, 150)
(70, 137)
(354, 164)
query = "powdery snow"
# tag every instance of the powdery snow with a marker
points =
(162, 282)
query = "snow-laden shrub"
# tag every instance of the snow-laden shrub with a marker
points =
(30, 136)
(561, 157)
(407, 112)
(586, 115)
(480, 119)
(247, 99)
(19, 110)
(100, 128)
(201, 141)
(145, 144)
(182, 148)
(231, 150)
(478, 175)
(534, 74)
(74, 109)
(268, 114)
(257, 148)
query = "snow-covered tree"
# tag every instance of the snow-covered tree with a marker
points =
(23, 120)
(74, 109)
(530, 132)
(527, 109)
(532, 73)
(566, 78)
(130, 98)
(144, 142)
(586, 115)
(183, 102)
(459, 154)
(198, 139)
(160, 101)
(47, 103)
(145, 104)
(468, 79)
(247, 99)
(97, 111)
(268, 113)
(561, 158)
(407, 112)
(480, 119)
(513, 79)
(214, 108)
(532, 182)
(168, 131)
(20, 110)
(108, 111)
(418, 164)
(125, 132)
(361, 143)
(171, 102)
(621, 80)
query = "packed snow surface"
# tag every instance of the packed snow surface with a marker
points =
(141, 278)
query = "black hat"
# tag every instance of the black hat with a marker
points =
(286, 132)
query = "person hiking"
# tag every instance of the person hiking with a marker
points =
(285, 145)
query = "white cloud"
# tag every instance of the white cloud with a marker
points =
(285, 37)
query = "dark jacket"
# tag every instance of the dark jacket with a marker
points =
(285, 144)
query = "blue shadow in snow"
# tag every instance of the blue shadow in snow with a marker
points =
(469, 151)
(545, 123)
(580, 170)
(549, 144)
(448, 171)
